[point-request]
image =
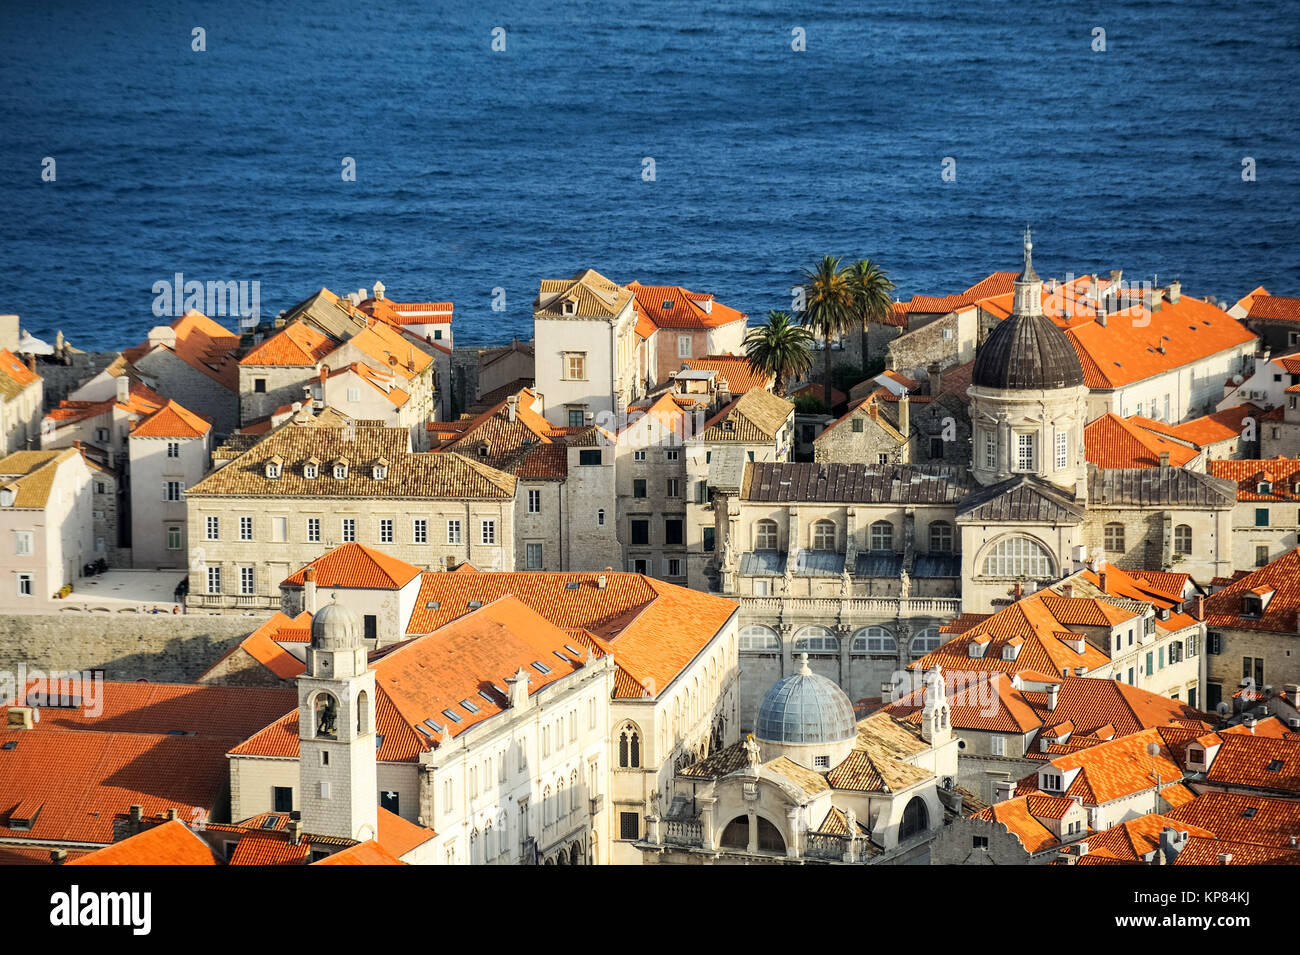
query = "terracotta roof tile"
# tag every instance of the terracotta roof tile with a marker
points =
(296, 344)
(1277, 307)
(734, 368)
(1112, 442)
(671, 306)
(172, 420)
(171, 843)
(1225, 608)
(355, 566)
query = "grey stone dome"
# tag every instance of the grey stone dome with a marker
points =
(335, 627)
(806, 708)
(1027, 352)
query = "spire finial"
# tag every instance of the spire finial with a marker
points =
(1029, 248)
(804, 669)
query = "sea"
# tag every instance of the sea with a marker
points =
(465, 151)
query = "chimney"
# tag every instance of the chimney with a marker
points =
(1094, 288)
(123, 389)
(724, 392)
(872, 410)
(1101, 316)
(1053, 690)
(20, 718)
(1157, 299)
(295, 827)
(309, 590)
(31, 362)
(1067, 590)
(603, 580)
(1004, 789)
(379, 290)
(904, 415)
(58, 856)
(511, 404)
(1101, 578)
(1175, 291)
(135, 815)
(1200, 607)
(517, 689)
(1164, 459)
(173, 813)
(935, 376)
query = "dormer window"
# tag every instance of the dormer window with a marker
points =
(1011, 650)
(7, 495)
(1251, 606)
(341, 470)
(570, 307)
(311, 470)
(1265, 487)
(1051, 782)
(273, 468)
(380, 470)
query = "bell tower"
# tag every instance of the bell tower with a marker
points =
(338, 788)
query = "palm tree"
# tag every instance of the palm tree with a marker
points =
(780, 349)
(871, 302)
(828, 307)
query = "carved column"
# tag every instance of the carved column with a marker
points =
(752, 846)
(792, 816)
(707, 822)
(851, 541)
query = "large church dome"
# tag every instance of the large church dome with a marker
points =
(806, 709)
(1027, 352)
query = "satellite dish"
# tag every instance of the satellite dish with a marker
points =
(1222, 709)
(1153, 749)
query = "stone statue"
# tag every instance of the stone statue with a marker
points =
(752, 751)
(851, 820)
(788, 576)
(846, 583)
(905, 585)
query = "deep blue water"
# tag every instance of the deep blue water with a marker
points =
(478, 169)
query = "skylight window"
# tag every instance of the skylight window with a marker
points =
(452, 715)
(572, 585)
(562, 657)
(1275, 766)
(1249, 812)
(487, 696)
(435, 726)
(433, 605)
(270, 822)
(474, 604)
(571, 650)
(541, 667)
(469, 706)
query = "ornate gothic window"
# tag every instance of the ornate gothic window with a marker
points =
(629, 747)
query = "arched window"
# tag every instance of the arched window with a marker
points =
(561, 805)
(327, 713)
(926, 640)
(1018, 557)
(363, 713)
(874, 640)
(600, 517)
(823, 536)
(629, 747)
(757, 638)
(765, 535)
(882, 536)
(1114, 538)
(816, 640)
(940, 537)
(1182, 539)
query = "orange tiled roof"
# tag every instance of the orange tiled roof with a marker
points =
(141, 399)
(356, 566)
(264, 645)
(171, 843)
(363, 853)
(1116, 768)
(818, 390)
(1224, 608)
(1022, 818)
(734, 368)
(1206, 430)
(205, 345)
(379, 379)
(1132, 841)
(1249, 473)
(269, 848)
(399, 836)
(654, 629)
(529, 446)
(172, 420)
(13, 368)
(671, 306)
(1258, 762)
(1243, 817)
(1277, 307)
(296, 344)
(1112, 442)
(382, 344)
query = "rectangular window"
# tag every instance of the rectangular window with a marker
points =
(1261, 555)
(638, 487)
(641, 532)
(279, 529)
(420, 530)
(674, 488)
(575, 417)
(998, 745)
(990, 451)
(259, 386)
(1151, 667)
(247, 580)
(313, 529)
(25, 585)
(453, 532)
(629, 825)
(214, 580)
(1261, 517)
(488, 532)
(1062, 450)
(638, 455)
(354, 395)
(282, 798)
(370, 627)
(708, 533)
(212, 528)
(173, 449)
(1024, 452)
(172, 491)
(349, 529)
(23, 543)
(683, 346)
(534, 502)
(245, 528)
(385, 530)
(671, 454)
(575, 366)
(533, 556)
(674, 566)
(857, 425)
(173, 538)
(672, 530)
(589, 458)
